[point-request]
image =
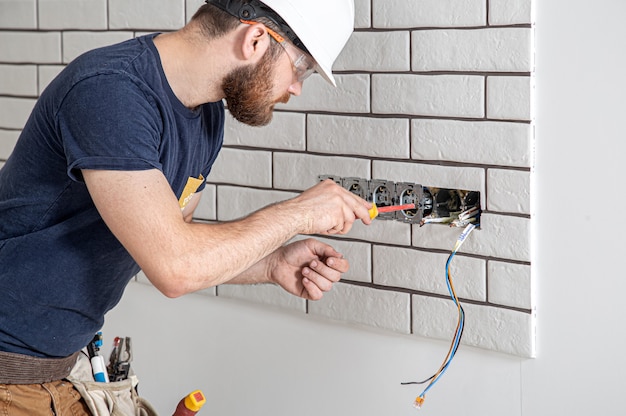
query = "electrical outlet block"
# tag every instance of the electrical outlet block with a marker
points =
(432, 205)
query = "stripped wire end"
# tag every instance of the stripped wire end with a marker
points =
(419, 401)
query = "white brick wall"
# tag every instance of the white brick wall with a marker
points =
(18, 14)
(460, 96)
(18, 80)
(503, 50)
(76, 43)
(72, 14)
(429, 91)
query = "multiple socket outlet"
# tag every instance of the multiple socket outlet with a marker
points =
(453, 207)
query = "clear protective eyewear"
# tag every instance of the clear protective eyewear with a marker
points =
(303, 64)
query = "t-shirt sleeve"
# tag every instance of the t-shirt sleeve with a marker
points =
(109, 122)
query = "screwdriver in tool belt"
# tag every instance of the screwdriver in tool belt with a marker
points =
(374, 210)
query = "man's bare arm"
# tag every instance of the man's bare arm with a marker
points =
(179, 257)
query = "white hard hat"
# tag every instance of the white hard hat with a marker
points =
(319, 27)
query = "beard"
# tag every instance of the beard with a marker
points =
(248, 92)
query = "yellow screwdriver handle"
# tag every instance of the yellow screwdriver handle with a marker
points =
(373, 211)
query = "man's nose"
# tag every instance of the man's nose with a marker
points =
(295, 88)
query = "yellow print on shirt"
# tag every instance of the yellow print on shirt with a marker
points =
(190, 189)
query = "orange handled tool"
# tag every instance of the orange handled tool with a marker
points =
(374, 210)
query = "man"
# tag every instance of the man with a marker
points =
(109, 168)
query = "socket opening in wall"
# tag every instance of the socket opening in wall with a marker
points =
(457, 207)
(409, 193)
(382, 194)
(357, 186)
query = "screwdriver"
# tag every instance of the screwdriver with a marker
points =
(374, 210)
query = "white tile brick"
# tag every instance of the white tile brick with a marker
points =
(510, 12)
(495, 329)
(428, 95)
(46, 74)
(76, 43)
(297, 171)
(266, 294)
(18, 80)
(18, 14)
(362, 14)
(503, 330)
(376, 137)
(501, 236)
(352, 95)
(286, 132)
(206, 209)
(73, 14)
(15, 111)
(454, 177)
(428, 13)
(509, 98)
(501, 49)
(362, 305)
(508, 191)
(439, 237)
(30, 47)
(382, 231)
(140, 14)
(8, 139)
(236, 202)
(243, 167)
(376, 51)
(510, 284)
(497, 143)
(424, 271)
(191, 7)
(359, 255)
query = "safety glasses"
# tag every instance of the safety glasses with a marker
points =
(303, 64)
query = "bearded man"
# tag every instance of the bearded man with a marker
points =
(110, 166)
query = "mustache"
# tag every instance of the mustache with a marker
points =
(284, 99)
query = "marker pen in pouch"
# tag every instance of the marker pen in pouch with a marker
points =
(98, 367)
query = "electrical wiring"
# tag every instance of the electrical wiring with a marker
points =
(458, 333)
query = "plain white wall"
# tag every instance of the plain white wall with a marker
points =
(581, 85)
(250, 360)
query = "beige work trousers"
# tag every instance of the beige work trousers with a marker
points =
(57, 398)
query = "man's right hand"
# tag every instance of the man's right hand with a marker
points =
(327, 208)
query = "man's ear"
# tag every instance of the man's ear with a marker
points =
(256, 41)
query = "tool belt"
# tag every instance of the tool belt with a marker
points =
(118, 398)
(25, 369)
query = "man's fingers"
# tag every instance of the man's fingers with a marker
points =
(312, 291)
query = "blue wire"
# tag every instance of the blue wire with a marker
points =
(457, 338)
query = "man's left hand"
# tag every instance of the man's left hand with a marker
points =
(307, 268)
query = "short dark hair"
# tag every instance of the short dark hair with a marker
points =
(214, 22)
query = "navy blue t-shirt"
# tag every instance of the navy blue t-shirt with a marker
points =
(61, 269)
